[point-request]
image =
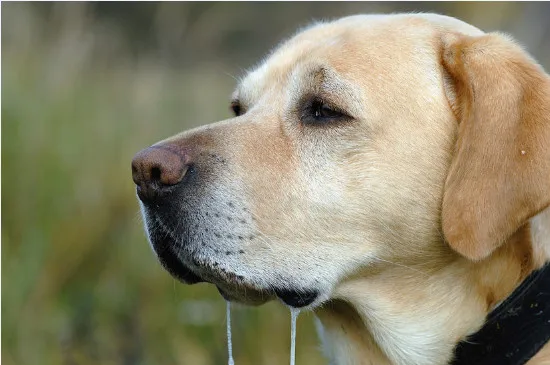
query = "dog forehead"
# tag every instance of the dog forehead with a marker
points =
(339, 43)
(318, 41)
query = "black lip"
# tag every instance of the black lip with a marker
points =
(223, 294)
(295, 298)
(171, 263)
(165, 247)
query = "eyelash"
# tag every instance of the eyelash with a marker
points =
(319, 112)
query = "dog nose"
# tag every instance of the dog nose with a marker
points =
(156, 169)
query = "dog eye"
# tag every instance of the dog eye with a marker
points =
(320, 112)
(236, 108)
(324, 111)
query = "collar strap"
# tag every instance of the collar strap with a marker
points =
(514, 331)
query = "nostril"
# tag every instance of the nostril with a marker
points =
(156, 173)
(158, 167)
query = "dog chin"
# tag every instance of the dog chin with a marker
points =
(292, 298)
(243, 295)
(232, 287)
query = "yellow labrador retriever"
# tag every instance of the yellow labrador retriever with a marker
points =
(389, 172)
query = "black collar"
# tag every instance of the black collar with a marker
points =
(514, 331)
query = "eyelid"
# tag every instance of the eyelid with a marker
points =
(333, 107)
(307, 108)
(310, 99)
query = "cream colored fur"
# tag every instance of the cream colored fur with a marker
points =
(354, 209)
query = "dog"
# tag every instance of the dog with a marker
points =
(390, 173)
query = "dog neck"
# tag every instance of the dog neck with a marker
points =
(424, 313)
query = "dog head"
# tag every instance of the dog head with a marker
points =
(367, 140)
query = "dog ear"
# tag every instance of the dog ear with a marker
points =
(500, 170)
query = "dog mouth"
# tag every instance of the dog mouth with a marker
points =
(170, 262)
(231, 286)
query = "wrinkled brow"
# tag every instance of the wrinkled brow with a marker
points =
(316, 78)
(325, 82)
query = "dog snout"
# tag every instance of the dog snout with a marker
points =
(156, 169)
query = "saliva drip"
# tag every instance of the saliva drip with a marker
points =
(230, 360)
(293, 315)
(294, 312)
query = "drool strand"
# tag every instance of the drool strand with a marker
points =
(230, 360)
(293, 315)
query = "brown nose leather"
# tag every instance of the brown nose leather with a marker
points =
(156, 168)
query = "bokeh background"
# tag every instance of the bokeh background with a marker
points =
(85, 86)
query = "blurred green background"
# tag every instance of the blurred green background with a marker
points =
(84, 87)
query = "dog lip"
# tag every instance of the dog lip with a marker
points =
(251, 297)
(171, 263)
(223, 294)
(297, 298)
(178, 270)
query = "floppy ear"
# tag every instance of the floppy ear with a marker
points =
(500, 171)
